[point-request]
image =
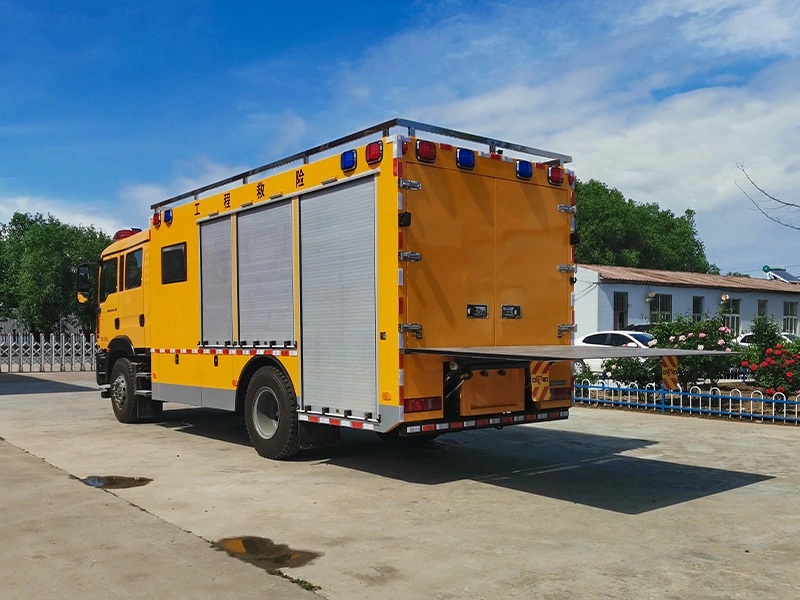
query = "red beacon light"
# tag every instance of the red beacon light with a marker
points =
(426, 151)
(157, 218)
(555, 175)
(374, 152)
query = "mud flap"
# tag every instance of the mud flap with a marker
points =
(146, 408)
(314, 435)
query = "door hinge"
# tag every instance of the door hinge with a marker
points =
(408, 184)
(567, 328)
(414, 328)
(567, 268)
(409, 256)
(567, 208)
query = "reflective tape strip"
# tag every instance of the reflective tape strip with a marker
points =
(225, 351)
(336, 422)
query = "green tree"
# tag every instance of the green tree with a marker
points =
(617, 231)
(38, 260)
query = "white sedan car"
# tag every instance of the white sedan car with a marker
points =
(747, 338)
(630, 339)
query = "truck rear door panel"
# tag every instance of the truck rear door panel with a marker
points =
(532, 240)
(453, 228)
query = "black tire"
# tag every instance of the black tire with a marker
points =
(123, 397)
(270, 409)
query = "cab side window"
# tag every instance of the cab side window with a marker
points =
(133, 269)
(108, 278)
(173, 263)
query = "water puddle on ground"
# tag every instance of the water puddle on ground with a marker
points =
(113, 482)
(264, 553)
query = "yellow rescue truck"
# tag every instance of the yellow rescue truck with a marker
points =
(412, 284)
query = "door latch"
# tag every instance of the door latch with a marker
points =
(408, 184)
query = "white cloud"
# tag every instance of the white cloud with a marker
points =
(137, 198)
(732, 25)
(66, 212)
(642, 105)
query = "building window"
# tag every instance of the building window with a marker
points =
(661, 308)
(173, 263)
(620, 310)
(790, 317)
(731, 315)
(697, 307)
(762, 308)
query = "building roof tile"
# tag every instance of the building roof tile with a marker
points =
(685, 279)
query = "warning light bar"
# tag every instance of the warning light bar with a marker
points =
(125, 233)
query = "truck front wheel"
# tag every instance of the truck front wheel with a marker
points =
(123, 399)
(271, 414)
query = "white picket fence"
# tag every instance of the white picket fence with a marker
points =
(56, 352)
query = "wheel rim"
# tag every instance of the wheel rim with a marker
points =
(266, 413)
(119, 391)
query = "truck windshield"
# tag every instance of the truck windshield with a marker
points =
(108, 278)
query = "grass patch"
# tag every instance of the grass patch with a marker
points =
(306, 585)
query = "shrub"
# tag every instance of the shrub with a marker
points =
(687, 334)
(778, 370)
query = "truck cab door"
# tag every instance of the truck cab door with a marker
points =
(131, 297)
(108, 323)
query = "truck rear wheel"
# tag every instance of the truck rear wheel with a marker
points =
(271, 414)
(123, 388)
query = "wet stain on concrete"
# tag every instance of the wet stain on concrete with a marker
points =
(265, 553)
(113, 482)
(378, 575)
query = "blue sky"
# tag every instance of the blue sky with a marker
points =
(107, 107)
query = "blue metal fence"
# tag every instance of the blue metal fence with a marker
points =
(734, 404)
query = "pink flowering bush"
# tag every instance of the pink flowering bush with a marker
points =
(686, 334)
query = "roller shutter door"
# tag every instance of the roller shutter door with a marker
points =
(265, 249)
(216, 281)
(337, 249)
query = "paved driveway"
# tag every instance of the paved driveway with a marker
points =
(608, 504)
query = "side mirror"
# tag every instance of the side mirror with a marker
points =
(83, 283)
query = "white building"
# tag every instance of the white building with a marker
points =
(617, 297)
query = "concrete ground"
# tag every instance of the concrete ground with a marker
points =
(608, 504)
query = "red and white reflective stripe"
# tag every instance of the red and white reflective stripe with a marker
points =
(496, 156)
(226, 351)
(491, 422)
(335, 421)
